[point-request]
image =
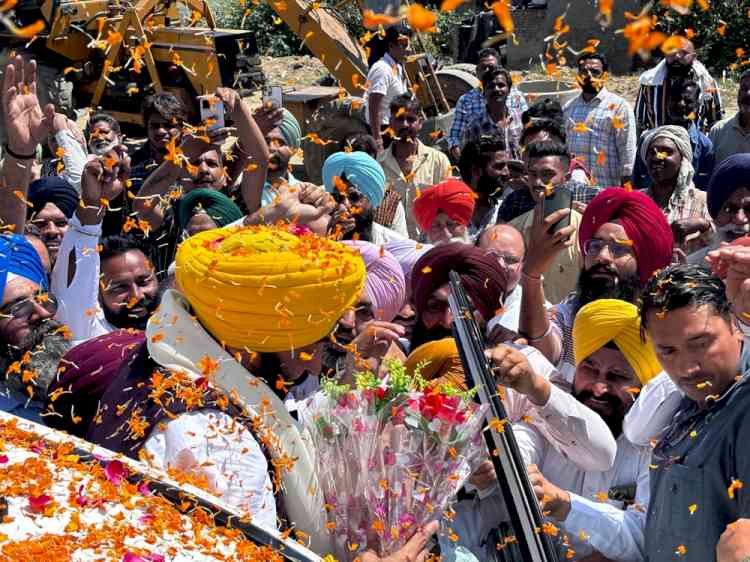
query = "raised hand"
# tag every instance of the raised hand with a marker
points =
(544, 246)
(25, 123)
(103, 179)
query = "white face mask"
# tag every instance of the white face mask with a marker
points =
(731, 231)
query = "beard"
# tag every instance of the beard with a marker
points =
(677, 69)
(46, 346)
(591, 289)
(362, 225)
(613, 412)
(421, 335)
(489, 186)
(124, 317)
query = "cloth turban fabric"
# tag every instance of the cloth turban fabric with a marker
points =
(729, 176)
(218, 206)
(384, 283)
(407, 252)
(439, 362)
(18, 258)
(360, 170)
(484, 281)
(290, 129)
(53, 189)
(84, 374)
(266, 289)
(643, 221)
(611, 320)
(680, 137)
(452, 197)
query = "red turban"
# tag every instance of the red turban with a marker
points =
(452, 197)
(643, 221)
(481, 275)
(84, 374)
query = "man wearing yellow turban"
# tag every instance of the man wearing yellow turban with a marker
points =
(613, 359)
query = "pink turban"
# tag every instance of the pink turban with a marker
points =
(384, 282)
(407, 252)
(452, 197)
(643, 221)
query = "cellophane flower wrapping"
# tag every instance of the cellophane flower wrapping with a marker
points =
(391, 454)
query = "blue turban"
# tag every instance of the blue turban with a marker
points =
(53, 189)
(360, 170)
(18, 256)
(290, 130)
(732, 174)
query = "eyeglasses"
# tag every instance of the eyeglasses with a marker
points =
(22, 310)
(507, 259)
(616, 249)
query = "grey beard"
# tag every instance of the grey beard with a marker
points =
(47, 348)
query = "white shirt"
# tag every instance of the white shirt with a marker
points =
(214, 445)
(386, 77)
(631, 466)
(380, 235)
(79, 301)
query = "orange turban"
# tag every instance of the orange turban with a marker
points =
(452, 197)
(439, 362)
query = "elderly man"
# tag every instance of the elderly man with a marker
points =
(656, 88)
(357, 183)
(732, 135)
(505, 243)
(32, 342)
(409, 165)
(668, 154)
(623, 238)
(699, 460)
(600, 125)
(471, 104)
(612, 364)
(444, 211)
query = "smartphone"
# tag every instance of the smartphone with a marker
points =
(272, 96)
(212, 111)
(560, 198)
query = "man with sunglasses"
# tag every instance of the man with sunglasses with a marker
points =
(31, 341)
(600, 125)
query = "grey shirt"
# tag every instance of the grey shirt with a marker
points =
(729, 138)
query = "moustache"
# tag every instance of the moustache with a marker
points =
(602, 268)
(586, 395)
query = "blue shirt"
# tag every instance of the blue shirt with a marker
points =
(703, 161)
(471, 105)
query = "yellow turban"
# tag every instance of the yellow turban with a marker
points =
(266, 289)
(610, 320)
(442, 363)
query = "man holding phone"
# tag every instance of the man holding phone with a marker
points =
(547, 165)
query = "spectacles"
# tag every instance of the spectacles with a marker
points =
(22, 310)
(595, 246)
(507, 259)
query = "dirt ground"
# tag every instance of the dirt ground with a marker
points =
(295, 72)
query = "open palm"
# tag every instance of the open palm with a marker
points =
(25, 122)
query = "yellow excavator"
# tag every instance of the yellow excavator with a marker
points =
(112, 53)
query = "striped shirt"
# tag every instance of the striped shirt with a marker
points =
(471, 104)
(483, 124)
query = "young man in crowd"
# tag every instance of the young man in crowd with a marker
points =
(623, 238)
(681, 112)
(53, 202)
(444, 211)
(357, 184)
(655, 89)
(600, 125)
(612, 363)
(732, 135)
(471, 104)
(409, 165)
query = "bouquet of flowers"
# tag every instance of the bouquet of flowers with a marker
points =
(391, 452)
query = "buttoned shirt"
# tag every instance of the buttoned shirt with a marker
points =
(521, 201)
(607, 143)
(728, 137)
(484, 124)
(386, 77)
(703, 161)
(472, 104)
(430, 167)
(686, 203)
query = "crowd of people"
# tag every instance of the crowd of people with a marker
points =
(179, 303)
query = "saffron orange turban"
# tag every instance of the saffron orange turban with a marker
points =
(452, 197)
(643, 221)
(266, 289)
(611, 320)
(439, 362)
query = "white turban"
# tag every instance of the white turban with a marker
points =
(680, 137)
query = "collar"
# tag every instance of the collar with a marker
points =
(389, 160)
(598, 98)
(176, 340)
(392, 62)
